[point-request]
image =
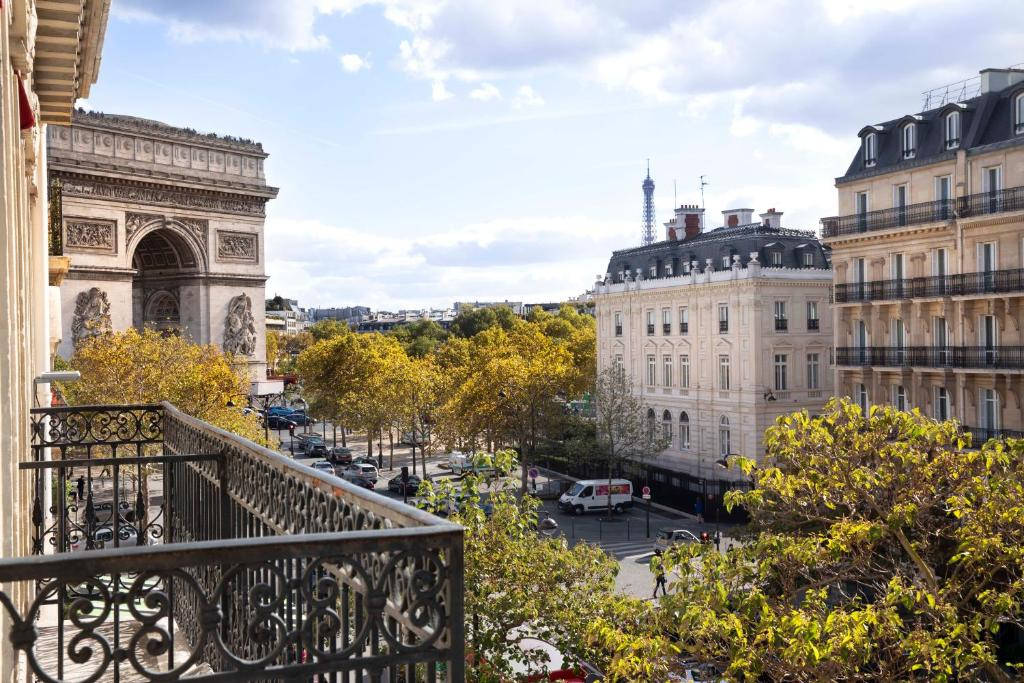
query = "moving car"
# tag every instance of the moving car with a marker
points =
(395, 484)
(339, 455)
(592, 494)
(360, 471)
(364, 460)
(104, 537)
(669, 537)
(311, 444)
(323, 466)
(280, 422)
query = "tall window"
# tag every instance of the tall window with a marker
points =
(725, 262)
(776, 258)
(618, 362)
(723, 372)
(899, 397)
(666, 426)
(723, 317)
(812, 315)
(724, 445)
(780, 372)
(666, 370)
(650, 371)
(684, 371)
(813, 363)
(666, 321)
(862, 399)
(897, 266)
(989, 409)
(861, 206)
(941, 259)
(942, 404)
(952, 130)
(899, 202)
(1018, 114)
(899, 333)
(684, 431)
(870, 149)
(909, 141)
(650, 323)
(944, 195)
(989, 334)
(781, 322)
(618, 324)
(684, 320)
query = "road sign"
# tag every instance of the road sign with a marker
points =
(646, 496)
(533, 473)
(646, 491)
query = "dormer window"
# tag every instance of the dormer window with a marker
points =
(953, 130)
(1018, 114)
(870, 149)
(909, 141)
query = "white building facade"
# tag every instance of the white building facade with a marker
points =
(720, 342)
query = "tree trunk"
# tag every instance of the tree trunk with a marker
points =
(391, 445)
(343, 430)
(335, 444)
(369, 443)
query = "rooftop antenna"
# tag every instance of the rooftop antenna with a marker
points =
(647, 235)
(703, 182)
(675, 200)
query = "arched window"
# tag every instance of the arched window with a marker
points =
(870, 149)
(724, 445)
(909, 141)
(684, 431)
(666, 427)
(952, 130)
(1018, 114)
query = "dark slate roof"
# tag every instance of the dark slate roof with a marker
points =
(984, 120)
(714, 244)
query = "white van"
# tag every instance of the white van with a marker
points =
(592, 494)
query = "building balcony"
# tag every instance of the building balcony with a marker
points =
(666, 328)
(813, 324)
(781, 324)
(960, 284)
(221, 560)
(650, 329)
(967, 357)
(983, 434)
(684, 328)
(984, 203)
(723, 326)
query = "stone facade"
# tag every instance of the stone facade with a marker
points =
(167, 224)
(928, 252)
(719, 354)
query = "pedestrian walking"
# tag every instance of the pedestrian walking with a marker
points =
(658, 569)
(698, 509)
(81, 487)
(718, 540)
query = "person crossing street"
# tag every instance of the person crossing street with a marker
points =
(658, 569)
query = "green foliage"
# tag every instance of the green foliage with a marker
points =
(420, 338)
(473, 321)
(879, 549)
(327, 328)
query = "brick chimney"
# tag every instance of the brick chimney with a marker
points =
(733, 217)
(688, 222)
(772, 219)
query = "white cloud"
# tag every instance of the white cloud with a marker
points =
(353, 63)
(439, 92)
(525, 97)
(485, 92)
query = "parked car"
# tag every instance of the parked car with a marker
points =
(300, 417)
(592, 494)
(280, 410)
(280, 422)
(323, 466)
(311, 444)
(395, 484)
(339, 455)
(669, 537)
(477, 463)
(364, 460)
(104, 537)
(360, 471)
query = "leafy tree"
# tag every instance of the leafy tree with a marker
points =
(520, 584)
(881, 548)
(334, 374)
(420, 338)
(273, 349)
(473, 321)
(327, 328)
(624, 429)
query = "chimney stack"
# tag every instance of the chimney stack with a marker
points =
(772, 219)
(734, 217)
(994, 80)
(688, 223)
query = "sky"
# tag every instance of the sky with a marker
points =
(433, 151)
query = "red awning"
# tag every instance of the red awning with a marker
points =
(28, 118)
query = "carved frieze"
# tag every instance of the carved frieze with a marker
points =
(240, 327)
(134, 221)
(90, 188)
(91, 234)
(197, 226)
(237, 246)
(92, 315)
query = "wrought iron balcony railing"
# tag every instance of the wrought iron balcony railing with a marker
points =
(723, 326)
(666, 328)
(229, 562)
(983, 203)
(684, 328)
(781, 324)
(983, 434)
(970, 357)
(960, 284)
(813, 323)
(650, 329)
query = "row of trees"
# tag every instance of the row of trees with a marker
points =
(507, 383)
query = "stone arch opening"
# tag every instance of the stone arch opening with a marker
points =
(165, 265)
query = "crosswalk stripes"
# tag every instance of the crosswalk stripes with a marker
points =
(621, 548)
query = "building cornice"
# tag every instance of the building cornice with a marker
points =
(163, 131)
(116, 169)
(84, 272)
(885, 235)
(117, 189)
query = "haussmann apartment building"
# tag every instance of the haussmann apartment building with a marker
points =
(721, 331)
(928, 252)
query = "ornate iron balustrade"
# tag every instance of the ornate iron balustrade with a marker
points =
(983, 203)
(970, 357)
(960, 284)
(235, 563)
(813, 323)
(781, 324)
(983, 434)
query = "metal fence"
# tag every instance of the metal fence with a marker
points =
(983, 434)
(971, 357)
(980, 204)
(960, 284)
(674, 489)
(229, 562)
